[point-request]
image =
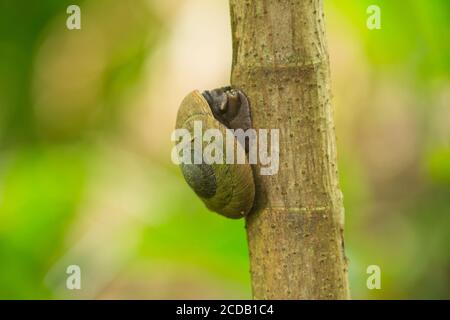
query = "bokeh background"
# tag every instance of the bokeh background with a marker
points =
(85, 171)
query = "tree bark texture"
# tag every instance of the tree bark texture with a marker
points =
(295, 230)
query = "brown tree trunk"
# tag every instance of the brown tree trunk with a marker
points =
(295, 232)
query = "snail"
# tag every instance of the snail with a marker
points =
(227, 189)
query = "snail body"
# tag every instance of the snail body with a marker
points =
(227, 189)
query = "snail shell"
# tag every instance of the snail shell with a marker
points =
(227, 189)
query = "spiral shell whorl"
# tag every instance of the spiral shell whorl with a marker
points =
(227, 189)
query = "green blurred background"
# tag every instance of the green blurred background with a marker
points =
(85, 170)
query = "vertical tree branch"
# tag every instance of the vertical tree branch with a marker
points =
(295, 232)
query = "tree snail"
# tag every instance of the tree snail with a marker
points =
(226, 188)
